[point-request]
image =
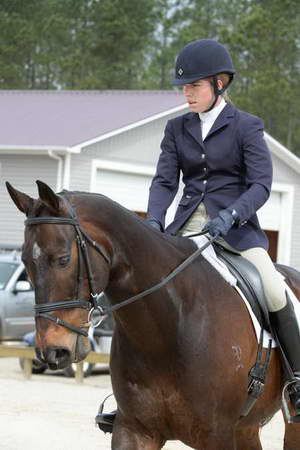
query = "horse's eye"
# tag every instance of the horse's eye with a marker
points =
(64, 260)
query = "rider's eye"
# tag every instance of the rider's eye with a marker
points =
(63, 260)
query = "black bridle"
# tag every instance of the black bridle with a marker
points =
(93, 306)
(42, 309)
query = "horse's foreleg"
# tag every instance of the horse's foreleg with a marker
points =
(124, 438)
(247, 438)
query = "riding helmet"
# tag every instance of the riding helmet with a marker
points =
(201, 59)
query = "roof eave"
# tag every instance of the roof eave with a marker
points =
(33, 148)
(78, 147)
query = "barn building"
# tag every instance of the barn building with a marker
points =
(109, 142)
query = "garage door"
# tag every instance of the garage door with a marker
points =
(129, 189)
(270, 214)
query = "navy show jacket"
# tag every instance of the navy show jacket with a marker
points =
(232, 168)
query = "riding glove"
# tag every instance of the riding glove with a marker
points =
(220, 225)
(154, 223)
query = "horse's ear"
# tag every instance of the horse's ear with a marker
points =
(48, 196)
(22, 201)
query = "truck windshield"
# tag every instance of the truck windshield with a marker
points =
(6, 271)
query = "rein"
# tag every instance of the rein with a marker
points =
(93, 306)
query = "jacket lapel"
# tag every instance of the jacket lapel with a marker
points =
(223, 119)
(193, 126)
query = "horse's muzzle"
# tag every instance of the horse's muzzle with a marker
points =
(55, 357)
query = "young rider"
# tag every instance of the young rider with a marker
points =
(227, 174)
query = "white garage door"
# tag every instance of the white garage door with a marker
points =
(129, 189)
(270, 214)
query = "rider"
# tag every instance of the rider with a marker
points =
(227, 172)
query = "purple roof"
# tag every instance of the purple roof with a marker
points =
(67, 118)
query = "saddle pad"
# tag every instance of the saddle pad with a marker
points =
(210, 255)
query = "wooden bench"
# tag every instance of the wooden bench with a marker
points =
(28, 353)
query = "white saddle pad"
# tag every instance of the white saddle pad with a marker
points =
(210, 255)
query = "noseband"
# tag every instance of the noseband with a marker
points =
(93, 306)
(42, 310)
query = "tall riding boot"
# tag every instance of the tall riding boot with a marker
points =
(286, 327)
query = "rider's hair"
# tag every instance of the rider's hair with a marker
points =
(224, 77)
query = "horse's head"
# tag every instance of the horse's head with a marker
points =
(63, 270)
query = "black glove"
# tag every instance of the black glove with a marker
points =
(220, 225)
(154, 223)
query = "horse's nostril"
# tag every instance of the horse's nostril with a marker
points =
(57, 357)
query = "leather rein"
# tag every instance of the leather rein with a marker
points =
(93, 306)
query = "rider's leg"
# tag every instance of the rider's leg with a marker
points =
(282, 314)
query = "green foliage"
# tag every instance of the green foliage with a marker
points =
(132, 44)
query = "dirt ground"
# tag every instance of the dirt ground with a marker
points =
(52, 412)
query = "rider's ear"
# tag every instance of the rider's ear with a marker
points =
(48, 197)
(22, 201)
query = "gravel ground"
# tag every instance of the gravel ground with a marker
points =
(52, 412)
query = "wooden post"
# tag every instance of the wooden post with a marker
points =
(27, 371)
(79, 372)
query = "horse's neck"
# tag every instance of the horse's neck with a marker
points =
(143, 260)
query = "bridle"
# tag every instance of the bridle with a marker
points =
(93, 306)
(42, 309)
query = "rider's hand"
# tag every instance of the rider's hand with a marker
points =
(220, 225)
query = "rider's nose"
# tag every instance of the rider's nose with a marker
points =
(57, 357)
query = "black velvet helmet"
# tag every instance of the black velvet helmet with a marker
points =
(201, 59)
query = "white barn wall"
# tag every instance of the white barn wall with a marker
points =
(295, 247)
(282, 173)
(285, 174)
(21, 171)
(137, 146)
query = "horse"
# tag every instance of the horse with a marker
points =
(180, 356)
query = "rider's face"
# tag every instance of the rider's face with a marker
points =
(199, 95)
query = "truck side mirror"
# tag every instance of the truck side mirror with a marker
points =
(22, 286)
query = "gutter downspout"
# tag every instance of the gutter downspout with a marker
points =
(67, 171)
(59, 169)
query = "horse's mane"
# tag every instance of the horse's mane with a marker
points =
(77, 197)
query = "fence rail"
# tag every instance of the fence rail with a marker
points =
(28, 354)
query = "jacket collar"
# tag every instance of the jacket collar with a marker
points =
(192, 122)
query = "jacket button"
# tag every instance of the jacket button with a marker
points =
(205, 181)
(203, 156)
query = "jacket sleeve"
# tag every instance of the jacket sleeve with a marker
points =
(164, 185)
(258, 170)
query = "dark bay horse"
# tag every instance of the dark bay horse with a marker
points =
(180, 357)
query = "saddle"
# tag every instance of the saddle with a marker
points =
(248, 280)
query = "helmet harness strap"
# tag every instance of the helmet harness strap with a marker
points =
(217, 91)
